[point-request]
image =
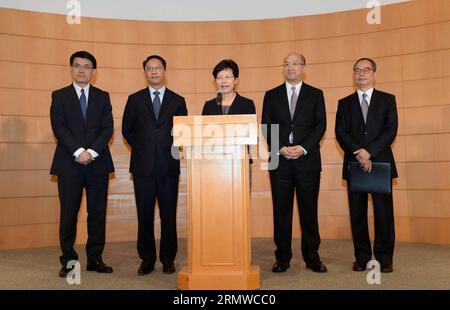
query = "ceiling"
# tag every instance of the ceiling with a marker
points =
(193, 10)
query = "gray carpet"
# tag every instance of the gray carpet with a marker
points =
(416, 266)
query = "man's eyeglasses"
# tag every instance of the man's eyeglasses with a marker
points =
(293, 64)
(77, 67)
(363, 70)
(157, 68)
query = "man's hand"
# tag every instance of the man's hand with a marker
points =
(84, 158)
(362, 155)
(367, 166)
(292, 152)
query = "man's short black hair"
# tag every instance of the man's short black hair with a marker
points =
(144, 63)
(86, 55)
(226, 64)
(373, 64)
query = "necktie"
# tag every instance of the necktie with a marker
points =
(364, 107)
(292, 110)
(156, 104)
(293, 102)
(83, 103)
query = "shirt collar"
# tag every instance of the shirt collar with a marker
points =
(162, 90)
(297, 86)
(78, 89)
(368, 92)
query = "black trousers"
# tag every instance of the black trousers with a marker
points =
(383, 212)
(284, 181)
(70, 191)
(165, 190)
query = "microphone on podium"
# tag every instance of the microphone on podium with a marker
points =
(219, 98)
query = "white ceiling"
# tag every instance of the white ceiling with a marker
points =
(193, 10)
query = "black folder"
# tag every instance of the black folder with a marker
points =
(377, 181)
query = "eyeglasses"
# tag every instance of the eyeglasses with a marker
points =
(156, 68)
(225, 77)
(78, 67)
(363, 70)
(293, 64)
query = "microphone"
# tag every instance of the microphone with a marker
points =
(219, 99)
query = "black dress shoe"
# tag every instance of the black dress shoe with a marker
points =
(317, 267)
(99, 266)
(64, 271)
(358, 266)
(387, 268)
(280, 267)
(168, 267)
(145, 268)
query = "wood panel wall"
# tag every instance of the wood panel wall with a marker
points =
(411, 47)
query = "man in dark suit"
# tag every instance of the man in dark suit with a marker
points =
(366, 126)
(147, 127)
(82, 122)
(299, 111)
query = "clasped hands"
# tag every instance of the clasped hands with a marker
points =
(292, 152)
(363, 157)
(84, 158)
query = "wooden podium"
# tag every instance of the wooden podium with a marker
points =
(218, 200)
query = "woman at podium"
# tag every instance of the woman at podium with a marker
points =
(227, 101)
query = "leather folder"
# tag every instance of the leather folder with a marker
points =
(377, 181)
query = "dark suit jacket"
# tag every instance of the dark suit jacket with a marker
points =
(308, 124)
(240, 105)
(73, 132)
(151, 140)
(376, 136)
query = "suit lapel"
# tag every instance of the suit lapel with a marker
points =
(284, 101)
(356, 108)
(302, 96)
(165, 105)
(234, 105)
(91, 101)
(147, 102)
(372, 107)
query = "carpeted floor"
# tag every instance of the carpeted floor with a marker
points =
(416, 266)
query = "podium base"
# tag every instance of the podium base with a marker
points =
(225, 280)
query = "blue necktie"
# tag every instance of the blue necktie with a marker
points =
(83, 104)
(156, 104)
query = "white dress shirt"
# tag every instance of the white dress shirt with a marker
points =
(86, 93)
(289, 90)
(368, 92)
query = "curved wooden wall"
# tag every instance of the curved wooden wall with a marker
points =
(411, 46)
